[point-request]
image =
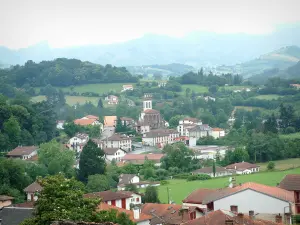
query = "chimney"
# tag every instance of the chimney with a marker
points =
(229, 222)
(251, 214)
(278, 218)
(136, 213)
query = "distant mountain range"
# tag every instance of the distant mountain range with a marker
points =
(280, 59)
(197, 49)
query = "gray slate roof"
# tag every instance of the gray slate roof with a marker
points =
(125, 179)
(15, 215)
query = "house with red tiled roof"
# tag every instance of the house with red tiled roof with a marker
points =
(86, 122)
(196, 198)
(217, 132)
(243, 168)
(127, 87)
(140, 158)
(258, 198)
(134, 215)
(171, 214)
(223, 217)
(23, 152)
(118, 199)
(291, 182)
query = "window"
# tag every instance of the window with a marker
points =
(137, 199)
(234, 208)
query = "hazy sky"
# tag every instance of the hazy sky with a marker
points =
(80, 22)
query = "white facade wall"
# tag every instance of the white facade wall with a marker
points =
(60, 126)
(136, 199)
(135, 180)
(29, 197)
(117, 156)
(168, 139)
(197, 205)
(218, 134)
(119, 203)
(29, 156)
(145, 129)
(76, 140)
(124, 144)
(248, 200)
(146, 222)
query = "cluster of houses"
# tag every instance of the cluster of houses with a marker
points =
(245, 203)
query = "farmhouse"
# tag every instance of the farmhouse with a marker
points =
(112, 99)
(127, 87)
(118, 199)
(5, 201)
(160, 137)
(134, 215)
(243, 168)
(140, 158)
(114, 154)
(31, 191)
(118, 141)
(125, 179)
(220, 171)
(23, 152)
(171, 214)
(136, 198)
(258, 198)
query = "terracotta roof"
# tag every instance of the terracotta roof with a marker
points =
(290, 182)
(117, 137)
(5, 198)
(111, 151)
(105, 207)
(34, 187)
(92, 117)
(210, 170)
(219, 217)
(129, 157)
(107, 195)
(166, 213)
(84, 122)
(110, 120)
(197, 196)
(241, 166)
(22, 150)
(217, 129)
(125, 178)
(274, 192)
(151, 111)
(127, 85)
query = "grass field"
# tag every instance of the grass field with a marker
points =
(282, 164)
(96, 88)
(249, 108)
(268, 97)
(290, 136)
(71, 100)
(232, 88)
(179, 189)
(194, 87)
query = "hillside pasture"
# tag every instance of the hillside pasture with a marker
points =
(71, 100)
(290, 136)
(268, 97)
(194, 87)
(180, 189)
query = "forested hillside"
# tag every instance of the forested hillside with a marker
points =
(63, 72)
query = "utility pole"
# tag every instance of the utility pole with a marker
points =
(168, 195)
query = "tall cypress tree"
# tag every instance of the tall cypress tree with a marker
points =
(92, 161)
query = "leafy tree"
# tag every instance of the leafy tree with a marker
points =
(12, 128)
(131, 187)
(287, 115)
(56, 158)
(213, 89)
(91, 161)
(271, 125)
(151, 195)
(271, 165)
(174, 121)
(97, 183)
(100, 104)
(129, 168)
(62, 199)
(214, 168)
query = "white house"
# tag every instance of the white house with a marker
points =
(243, 168)
(187, 123)
(60, 124)
(78, 141)
(127, 87)
(125, 179)
(209, 98)
(220, 171)
(23, 152)
(114, 154)
(217, 133)
(258, 198)
(160, 137)
(32, 190)
(199, 131)
(118, 141)
(117, 199)
(112, 99)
